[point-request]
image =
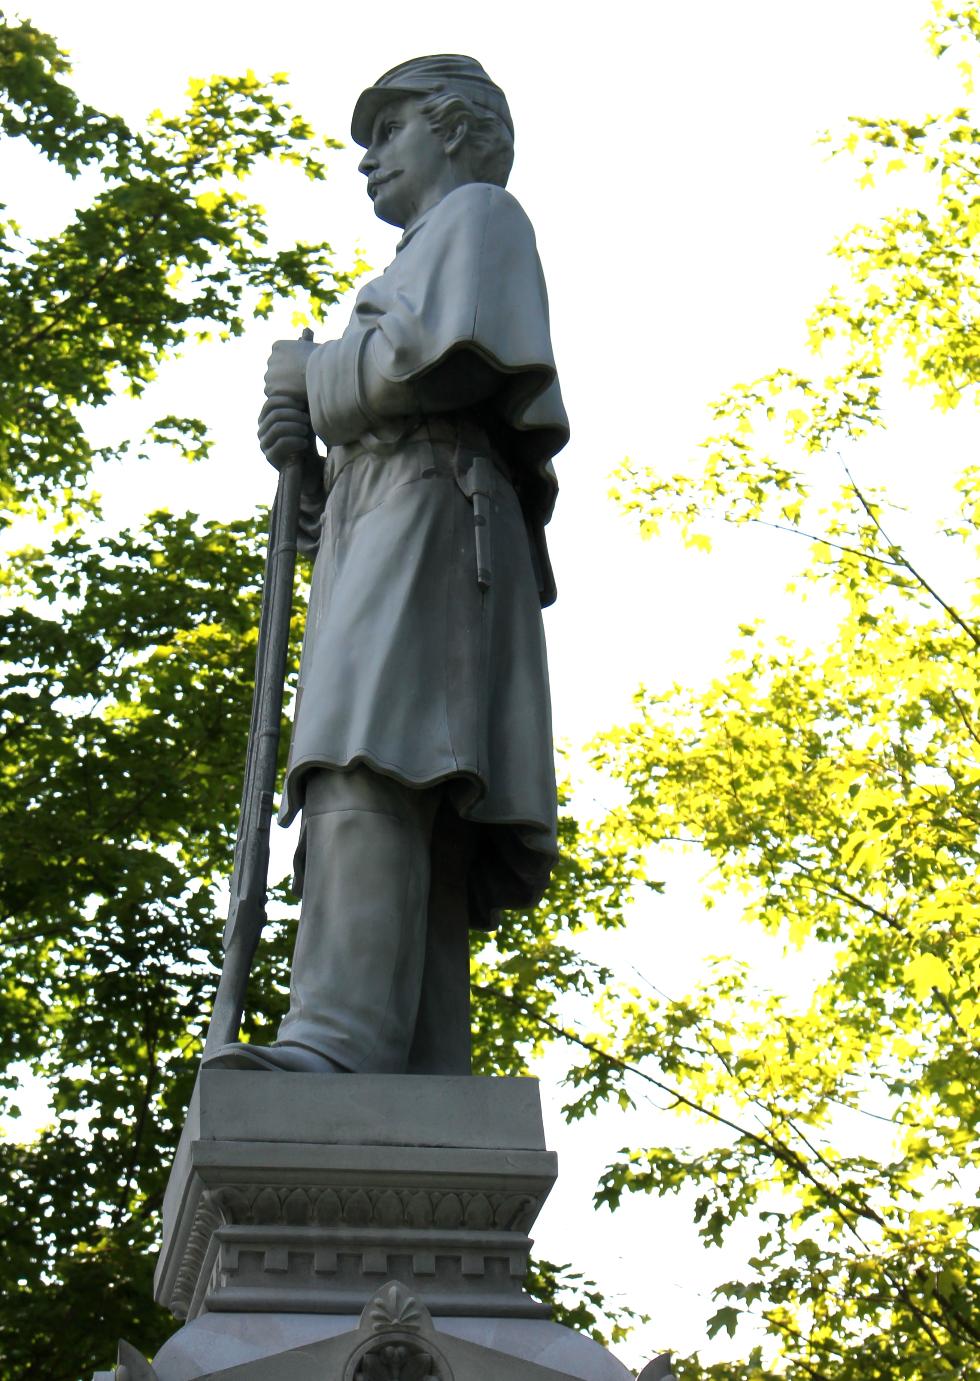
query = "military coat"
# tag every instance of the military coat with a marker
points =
(411, 664)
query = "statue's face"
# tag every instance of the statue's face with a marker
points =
(406, 165)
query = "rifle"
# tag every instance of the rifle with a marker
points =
(250, 876)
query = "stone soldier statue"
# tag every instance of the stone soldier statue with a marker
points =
(421, 755)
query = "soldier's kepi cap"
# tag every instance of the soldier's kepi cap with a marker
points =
(424, 77)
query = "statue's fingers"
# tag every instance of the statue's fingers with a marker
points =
(283, 410)
(297, 436)
(274, 431)
(291, 416)
(283, 400)
(285, 448)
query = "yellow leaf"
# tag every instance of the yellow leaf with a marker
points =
(799, 929)
(207, 201)
(925, 972)
(894, 165)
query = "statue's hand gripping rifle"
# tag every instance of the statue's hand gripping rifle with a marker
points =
(250, 878)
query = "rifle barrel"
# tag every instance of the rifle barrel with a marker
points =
(246, 912)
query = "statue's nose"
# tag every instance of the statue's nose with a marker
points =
(368, 163)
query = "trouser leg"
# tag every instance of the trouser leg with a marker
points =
(442, 1042)
(359, 955)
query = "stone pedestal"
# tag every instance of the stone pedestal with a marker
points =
(354, 1227)
(303, 1193)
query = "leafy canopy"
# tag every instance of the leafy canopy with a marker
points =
(170, 249)
(837, 793)
(125, 685)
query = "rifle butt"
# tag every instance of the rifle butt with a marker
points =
(229, 1000)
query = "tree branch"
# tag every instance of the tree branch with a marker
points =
(904, 561)
(773, 1146)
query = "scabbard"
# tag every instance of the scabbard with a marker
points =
(474, 475)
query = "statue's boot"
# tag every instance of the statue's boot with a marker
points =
(360, 947)
(283, 1057)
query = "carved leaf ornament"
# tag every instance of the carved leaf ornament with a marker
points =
(387, 1208)
(395, 1351)
(394, 1307)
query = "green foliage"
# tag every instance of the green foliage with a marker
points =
(531, 962)
(170, 248)
(836, 794)
(578, 1303)
(126, 683)
(37, 104)
(907, 308)
(835, 790)
(125, 704)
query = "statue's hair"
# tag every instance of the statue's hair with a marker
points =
(489, 142)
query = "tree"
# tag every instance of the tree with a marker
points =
(126, 682)
(125, 685)
(836, 791)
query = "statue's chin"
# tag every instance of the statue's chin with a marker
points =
(387, 209)
(389, 217)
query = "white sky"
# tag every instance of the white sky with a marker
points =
(665, 154)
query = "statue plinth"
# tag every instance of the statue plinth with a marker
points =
(301, 1205)
(304, 1193)
(359, 1227)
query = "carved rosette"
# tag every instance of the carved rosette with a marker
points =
(394, 1362)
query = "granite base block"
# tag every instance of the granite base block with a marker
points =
(304, 1193)
(359, 1228)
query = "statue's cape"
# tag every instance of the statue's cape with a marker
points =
(466, 277)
